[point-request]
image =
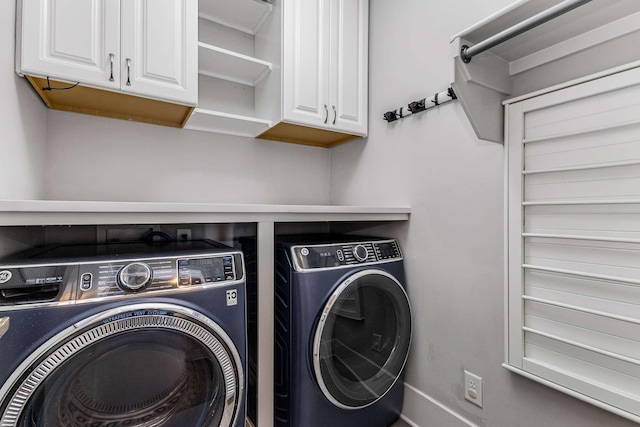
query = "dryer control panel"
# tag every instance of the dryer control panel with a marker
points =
(309, 257)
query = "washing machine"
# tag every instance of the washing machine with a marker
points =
(343, 331)
(127, 334)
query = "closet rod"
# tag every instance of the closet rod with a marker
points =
(466, 53)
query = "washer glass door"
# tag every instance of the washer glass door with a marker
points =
(362, 339)
(143, 365)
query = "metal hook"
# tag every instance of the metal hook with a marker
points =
(417, 106)
(391, 116)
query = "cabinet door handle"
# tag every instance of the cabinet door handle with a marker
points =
(335, 114)
(111, 58)
(326, 114)
(128, 72)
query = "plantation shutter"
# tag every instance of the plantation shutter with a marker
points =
(573, 241)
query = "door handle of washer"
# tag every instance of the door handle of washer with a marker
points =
(111, 58)
(128, 72)
(326, 114)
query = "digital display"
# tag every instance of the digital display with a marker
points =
(318, 257)
(205, 270)
(386, 250)
(197, 271)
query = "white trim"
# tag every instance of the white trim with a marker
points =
(582, 202)
(595, 37)
(411, 389)
(572, 393)
(580, 132)
(408, 421)
(611, 71)
(266, 324)
(575, 273)
(506, 226)
(574, 343)
(582, 168)
(581, 237)
(580, 310)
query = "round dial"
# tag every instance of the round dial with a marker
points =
(360, 253)
(134, 276)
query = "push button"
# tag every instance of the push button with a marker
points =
(85, 283)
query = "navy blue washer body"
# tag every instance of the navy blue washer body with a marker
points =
(29, 327)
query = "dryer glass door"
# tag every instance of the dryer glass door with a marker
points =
(362, 339)
(139, 365)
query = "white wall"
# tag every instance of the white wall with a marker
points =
(93, 158)
(48, 154)
(22, 122)
(454, 241)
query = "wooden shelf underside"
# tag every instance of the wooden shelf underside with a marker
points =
(296, 134)
(97, 102)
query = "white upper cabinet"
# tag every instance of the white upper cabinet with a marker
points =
(159, 49)
(75, 40)
(325, 64)
(142, 47)
(306, 62)
(349, 60)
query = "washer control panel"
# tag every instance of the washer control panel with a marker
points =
(82, 272)
(307, 257)
(136, 276)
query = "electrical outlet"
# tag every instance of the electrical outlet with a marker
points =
(473, 388)
(183, 234)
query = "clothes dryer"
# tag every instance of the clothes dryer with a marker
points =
(127, 334)
(343, 331)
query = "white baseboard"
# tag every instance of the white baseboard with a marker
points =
(421, 410)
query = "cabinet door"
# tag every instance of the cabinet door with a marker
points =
(74, 40)
(305, 62)
(160, 49)
(349, 66)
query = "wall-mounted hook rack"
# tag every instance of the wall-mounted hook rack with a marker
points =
(421, 105)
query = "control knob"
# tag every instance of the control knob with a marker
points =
(134, 276)
(360, 253)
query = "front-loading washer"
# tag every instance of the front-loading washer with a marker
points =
(343, 331)
(126, 334)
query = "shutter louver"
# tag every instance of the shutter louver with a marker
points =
(574, 240)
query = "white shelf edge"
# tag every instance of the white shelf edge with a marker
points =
(232, 79)
(62, 212)
(252, 30)
(232, 118)
(264, 66)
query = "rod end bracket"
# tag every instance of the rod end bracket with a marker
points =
(463, 54)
